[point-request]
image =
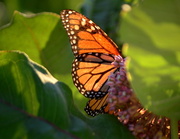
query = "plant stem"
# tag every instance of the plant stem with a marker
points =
(174, 129)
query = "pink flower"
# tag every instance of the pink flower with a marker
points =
(129, 111)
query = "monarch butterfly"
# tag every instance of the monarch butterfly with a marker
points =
(94, 52)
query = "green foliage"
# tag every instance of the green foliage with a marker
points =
(8, 7)
(152, 31)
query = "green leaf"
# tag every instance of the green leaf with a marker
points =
(152, 31)
(31, 88)
(34, 104)
(43, 38)
(113, 128)
(16, 123)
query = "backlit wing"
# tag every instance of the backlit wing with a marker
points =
(85, 36)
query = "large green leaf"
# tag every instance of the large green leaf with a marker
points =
(152, 30)
(16, 123)
(43, 38)
(32, 89)
(36, 105)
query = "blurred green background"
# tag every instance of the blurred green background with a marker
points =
(7, 7)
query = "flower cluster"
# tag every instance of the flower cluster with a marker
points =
(122, 100)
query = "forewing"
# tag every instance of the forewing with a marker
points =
(85, 36)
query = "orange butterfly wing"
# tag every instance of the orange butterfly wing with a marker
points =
(94, 52)
(90, 73)
(96, 106)
(85, 36)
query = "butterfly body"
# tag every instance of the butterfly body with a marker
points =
(94, 52)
